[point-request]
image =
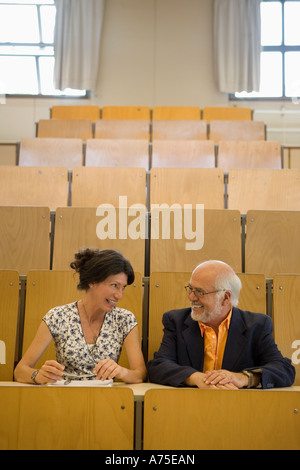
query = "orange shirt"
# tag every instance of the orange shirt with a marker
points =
(214, 346)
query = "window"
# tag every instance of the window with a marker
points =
(280, 56)
(27, 49)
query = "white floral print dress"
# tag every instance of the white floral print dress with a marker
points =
(72, 350)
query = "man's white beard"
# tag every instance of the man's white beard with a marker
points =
(205, 316)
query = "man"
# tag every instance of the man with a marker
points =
(214, 344)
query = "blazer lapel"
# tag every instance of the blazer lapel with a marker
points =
(194, 343)
(236, 341)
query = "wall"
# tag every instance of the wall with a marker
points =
(154, 52)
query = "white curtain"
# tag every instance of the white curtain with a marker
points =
(77, 43)
(237, 45)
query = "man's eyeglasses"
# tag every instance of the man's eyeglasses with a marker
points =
(200, 293)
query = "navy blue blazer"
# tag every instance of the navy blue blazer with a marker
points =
(250, 345)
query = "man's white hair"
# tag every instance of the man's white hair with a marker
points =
(229, 281)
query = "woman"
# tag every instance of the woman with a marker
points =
(88, 334)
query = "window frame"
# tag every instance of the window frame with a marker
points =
(282, 48)
(38, 45)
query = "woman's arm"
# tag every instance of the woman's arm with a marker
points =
(109, 369)
(50, 372)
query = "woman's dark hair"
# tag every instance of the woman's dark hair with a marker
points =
(94, 265)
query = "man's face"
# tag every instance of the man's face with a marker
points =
(208, 307)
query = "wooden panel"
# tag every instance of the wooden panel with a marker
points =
(253, 294)
(93, 186)
(34, 186)
(237, 130)
(49, 418)
(249, 154)
(166, 292)
(272, 242)
(76, 227)
(126, 112)
(9, 294)
(187, 186)
(176, 112)
(183, 153)
(75, 112)
(122, 129)
(175, 129)
(66, 128)
(286, 318)
(45, 290)
(117, 152)
(193, 239)
(221, 420)
(8, 152)
(215, 113)
(24, 238)
(51, 152)
(263, 190)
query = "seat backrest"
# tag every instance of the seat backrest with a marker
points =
(51, 152)
(215, 113)
(117, 152)
(176, 112)
(183, 153)
(34, 186)
(237, 154)
(237, 130)
(166, 292)
(80, 227)
(126, 112)
(65, 128)
(76, 112)
(44, 290)
(122, 129)
(179, 129)
(92, 186)
(182, 237)
(253, 294)
(272, 242)
(187, 186)
(263, 189)
(9, 293)
(24, 238)
(286, 318)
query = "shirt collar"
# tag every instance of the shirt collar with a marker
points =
(225, 323)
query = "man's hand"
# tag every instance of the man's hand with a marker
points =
(200, 380)
(223, 377)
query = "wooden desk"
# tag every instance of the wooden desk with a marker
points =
(62, 418)
(222, 419)
(105, 418)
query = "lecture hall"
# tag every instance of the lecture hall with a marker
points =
(149, 227)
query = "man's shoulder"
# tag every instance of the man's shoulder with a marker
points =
(250, 318)
(179, 314)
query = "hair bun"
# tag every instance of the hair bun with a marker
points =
(82, 256)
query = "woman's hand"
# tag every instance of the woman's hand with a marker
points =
(50, 372)
(108, 369)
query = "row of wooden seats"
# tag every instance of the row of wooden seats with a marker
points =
(91, 186)
(208, 113)
(66, 420)
(138, 153)
(265, 242)
(140, 129)
(46, 289)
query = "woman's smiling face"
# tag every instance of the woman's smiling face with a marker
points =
(106, 294)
